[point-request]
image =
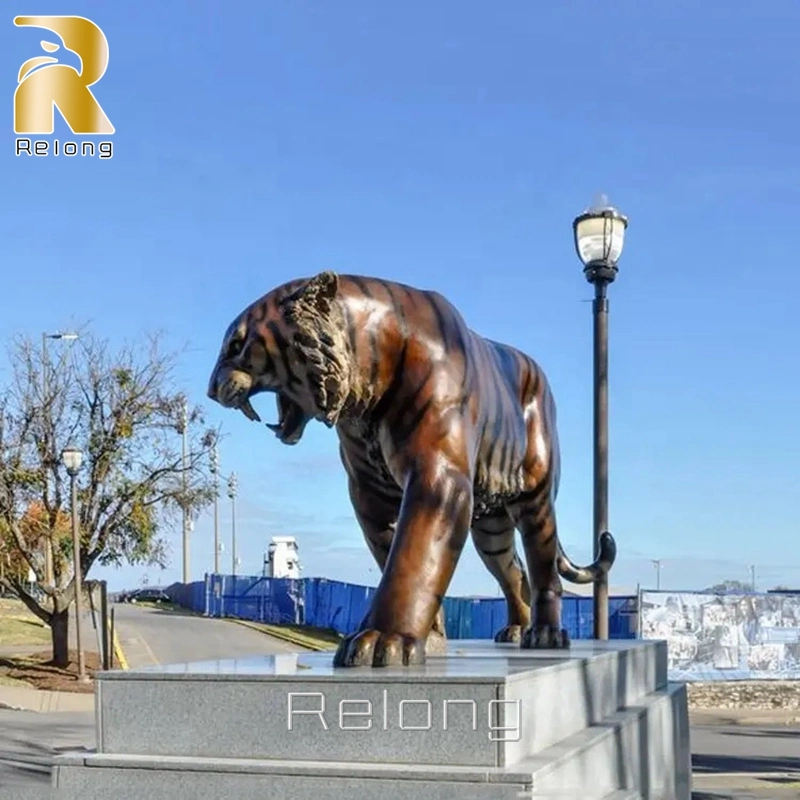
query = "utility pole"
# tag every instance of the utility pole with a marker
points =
(49, 572)
(184, 424)
(214, 468)
(753, 578)
(233, 486)
(657, 565)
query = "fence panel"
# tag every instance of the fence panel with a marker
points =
(336, 605)
(342, 606)
(725, 637)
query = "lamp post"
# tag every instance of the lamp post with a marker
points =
(214, 468)
(49, 577)
(183, 425)
(233, 486)
(599, 237)
(73, 458)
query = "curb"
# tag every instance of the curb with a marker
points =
(40, 764)
(119, 654)
(286, 636)
(710, 777)
(8, 707)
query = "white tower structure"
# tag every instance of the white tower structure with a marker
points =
(282, 559)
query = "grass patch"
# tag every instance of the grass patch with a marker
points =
(304, 635)
(19, 627)
(160, 606)
(328, 635)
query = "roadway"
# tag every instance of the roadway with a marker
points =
(151, 636)
(745, 761)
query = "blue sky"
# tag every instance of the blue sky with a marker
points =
(450, 145)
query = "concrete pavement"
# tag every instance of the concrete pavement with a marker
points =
(20, 698)
(735, 759)
(28, 742)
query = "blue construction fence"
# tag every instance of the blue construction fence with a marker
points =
(324, 603)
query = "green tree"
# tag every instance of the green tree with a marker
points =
(122, 408)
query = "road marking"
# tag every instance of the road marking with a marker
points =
(148, 650)
(133, 639)
(119, 654)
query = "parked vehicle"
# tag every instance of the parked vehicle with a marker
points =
(150, 596)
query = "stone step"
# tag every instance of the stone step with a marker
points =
(480, 705)
(641, 753)
(645, 748)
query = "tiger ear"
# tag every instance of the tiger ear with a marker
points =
(316, 294)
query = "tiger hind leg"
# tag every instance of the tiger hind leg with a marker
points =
(540, 539)
(495, 545)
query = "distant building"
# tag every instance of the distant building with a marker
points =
(282, 559)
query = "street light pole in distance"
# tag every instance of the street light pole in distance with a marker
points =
(72, 457)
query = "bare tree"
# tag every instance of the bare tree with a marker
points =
(123, 410)
(728, 586)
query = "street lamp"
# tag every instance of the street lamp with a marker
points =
(72, 458)
(233, 486)
(599, 237)
(214, 469)
(49, 577)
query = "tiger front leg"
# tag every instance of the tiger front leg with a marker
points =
(430, 535)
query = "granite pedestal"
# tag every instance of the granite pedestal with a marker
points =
(484, 721)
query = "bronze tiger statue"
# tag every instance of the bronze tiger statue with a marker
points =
(441, 432)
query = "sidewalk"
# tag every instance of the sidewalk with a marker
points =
(24, 699)
(767, 717)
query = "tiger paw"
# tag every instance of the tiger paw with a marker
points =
(545, 637)
(371, 648)
(511, 633)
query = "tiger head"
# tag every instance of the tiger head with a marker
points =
(292, 342)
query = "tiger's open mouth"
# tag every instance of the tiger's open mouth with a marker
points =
(291, 423)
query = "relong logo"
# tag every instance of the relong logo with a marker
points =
(45, 85)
